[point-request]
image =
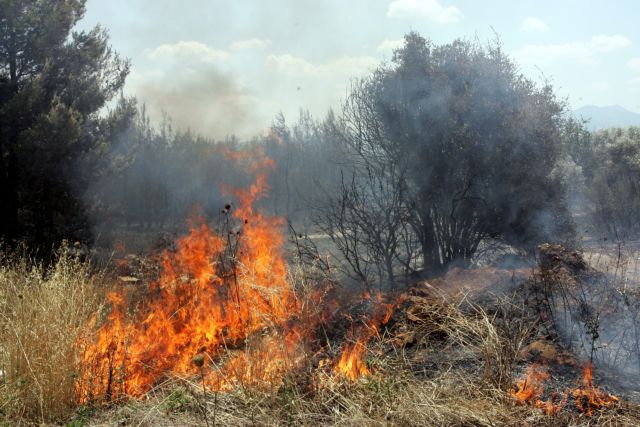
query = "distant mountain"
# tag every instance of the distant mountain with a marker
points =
(606, 117)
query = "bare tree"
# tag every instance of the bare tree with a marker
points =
(366, 216)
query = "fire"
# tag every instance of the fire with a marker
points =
(529, 390)
(223, 300)
(216, 295)
(223, 309)
(589, 398)
(352, 363)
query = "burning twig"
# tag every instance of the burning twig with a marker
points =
(590, 399)
(529, 390)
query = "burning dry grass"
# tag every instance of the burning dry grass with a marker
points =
(42, 313)
(446, 374)
(229, 334)
(223, 299)
(391, 395)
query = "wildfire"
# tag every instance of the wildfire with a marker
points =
(588, 399)
(216, 293)
(529, 390)
(222, 309)
(352, 363)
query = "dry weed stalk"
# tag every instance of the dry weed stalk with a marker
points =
(42, 314)
(497, 337)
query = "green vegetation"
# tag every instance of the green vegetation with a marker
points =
(53, 82)
(611, 165)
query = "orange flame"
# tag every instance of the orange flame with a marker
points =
(590, 399)
(214, 294)
(352, 363)
(529, 390)
(207, 314)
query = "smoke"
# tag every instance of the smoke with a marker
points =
(207, 100)
(155, 178)
(595, 311)
(218, 92)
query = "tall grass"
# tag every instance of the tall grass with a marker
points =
(43, 311)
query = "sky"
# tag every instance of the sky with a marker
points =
(229, 67)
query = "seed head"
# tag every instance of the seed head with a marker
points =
(198, 360)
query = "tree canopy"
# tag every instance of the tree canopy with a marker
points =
(610, 161)
(470, 144)
(53, 82)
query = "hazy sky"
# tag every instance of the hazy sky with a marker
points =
(223, 67)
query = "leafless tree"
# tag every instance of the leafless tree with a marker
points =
(366, 216)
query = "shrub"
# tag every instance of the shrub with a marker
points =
(612, 171)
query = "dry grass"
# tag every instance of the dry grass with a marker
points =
(457, 374)
(460, 391)
(42, 313)
(397, 398)
(498, 338)
(382, 399)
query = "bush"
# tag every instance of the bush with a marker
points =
(453, 148)
(612, 170)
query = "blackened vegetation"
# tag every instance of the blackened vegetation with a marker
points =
(592, 313)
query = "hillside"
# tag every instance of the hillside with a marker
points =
(606, 117)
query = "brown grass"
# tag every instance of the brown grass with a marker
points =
(389, 397)
(459, 391)
(42, 313)
(457, 374)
